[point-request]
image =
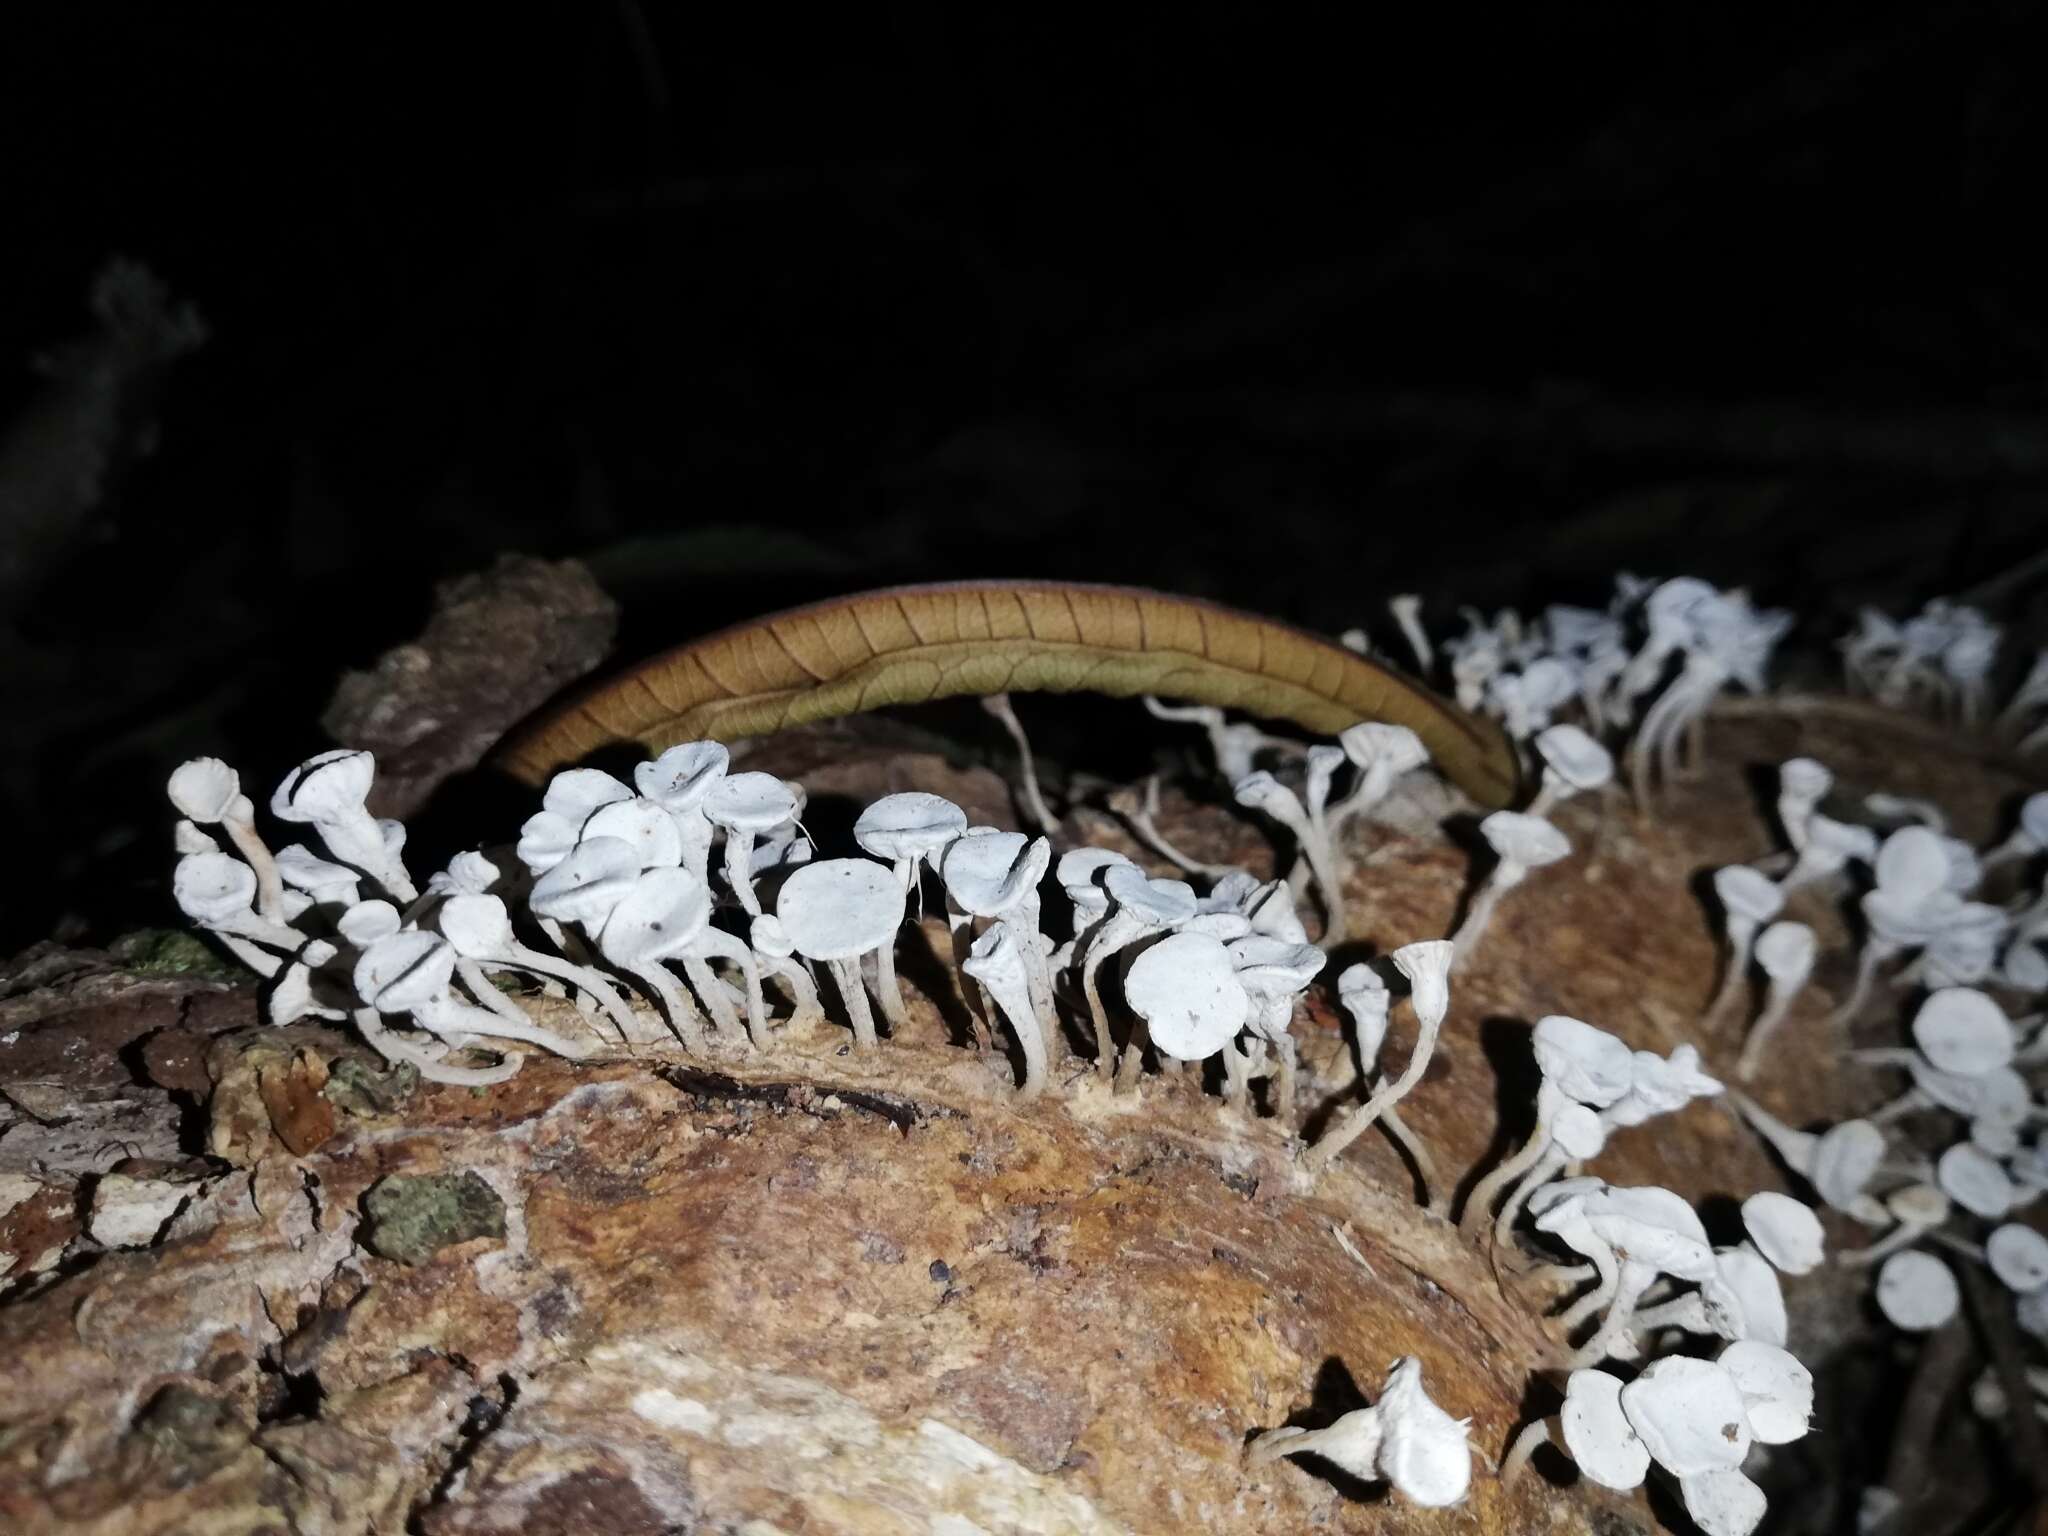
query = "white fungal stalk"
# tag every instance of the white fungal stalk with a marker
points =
(1427, 966)
(1523, 843)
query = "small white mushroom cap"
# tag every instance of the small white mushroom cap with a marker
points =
(1365, 997)
(1229, 927)
(1723, 1502)
(1424, 1452)
(663, 914)
(1963, 1031)
(1187, 991)
(1965, 870)
(1396, 748)
(2019, 1257)
(2024, 968)
(467, 874)
(574, 793)
(1161, 903)
(1525, 842)
(1272, 968)
(405, 971)
(205, 789)
(1689, 1414)
(1661, 1085)
(1744, 1297)
(1916, 1291)
(545, 839)
(913, 825)
(642, 824)
(1837, 842)
(1652, 1226)
(187, 838)
(1575, 757)
(681, 777)
(1804, 779)
(1427, 965)
(1080, 872)
(1271, 910)
(750, 802)
(589, 881)
(368, 921)
(1845, 1159)
(1748, 894)
(478, 927)
(1777, 1389)
(836, 909)
(988, 872)
(1912, 865)
(1975, 1180)
(1598, 1434)
(213, 888)
(1785, 1231)
(1579, 1131)
(329, 784)
(1786, 953)
(1998, 1095)
(1260, 791)
(2034, 819)
(1585, 1063)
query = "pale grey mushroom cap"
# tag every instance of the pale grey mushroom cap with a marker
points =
(587, 883)
(1585, 1063)
(2000, 1094)
(324, 786)
(1689, 1414)
(1161, 903)
(1965, 870)
(1723, 1502)
(664, 912)
(2019, 1257)
(1785, 1231)
(1776, 1388)
(1527, 842)
(368, 921)
(1662, 1085)
(836, 909)
(911, 825)
(1362, 992)
(575, 793)
(1080, 872)
(1976, 1181)
(1271, 910)
(213, 888)
(1961, 1030)
(767, 935)
(1912, 864)
(1744, 1297)
(477, 926)
(1840, 841)
(187, 838)
(1579, 1131)
(988, 872)
(545, 839)
(1786, 953)
(1188, 992)
(681, 777)
(304, 870)
(1427, 965)
(205, 789)
(405, 971)
(1804, 779)
(1372, 741)
(750, 802)
(1916, 1291)
(467, 874)
(1845, 1160)
(1575, 757)
(1598, 1434)
(1652, 1226)
(642, 824)
(1260, 791)
(1424, 1452)
(1748, 893)
(1273, 968)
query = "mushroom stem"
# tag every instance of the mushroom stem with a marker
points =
(1545, 1169)
(1138, 815)
(259, 960)
(1535, 1433)
(716, 941)
(1479, 1204)
(1132, 1067)
(1356, 1121)
(1904, 1235)
(1608, 1274)
(1505, 877)
(461, 1018)
(1741, 934)
(684, 1017)
(803, 988)
(1112, 934)
(853, 993)
(1236, 1077)
(1433, 1192)
(1777, 1007)
(739, 868)
(1629, 1287)
(711, 994)
(1875, 953)
(998, 704)
(240, 825)
(887, 988)
(402, 1052)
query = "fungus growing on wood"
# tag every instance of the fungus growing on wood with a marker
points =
(331, 793)
(835, 911)
(208, 793)
(1427, 966)
(1404, 1439)
(1749, 899)
(1786, 952)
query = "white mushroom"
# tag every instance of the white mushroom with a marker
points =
(1916, 1210)
(678, 781)
(1802, 785)
(745, 805)
(1274, 974)
(666, 914)
(997, 962)
(1573, 763)
(2018, 1256)
(998, 705)
(1427, 966)
(208, 792)
(1649, 1232)
(1381, 753)
(1188, 993)
(1976, 1181)
(1080, 872)
(644, 826)
(1593, 1428)
(1405, 1439)
(1785, 1231)
(410, 972)
(1960, 1030)
(774, 951)
(835, 911)
(480, 930)
(2028, 839)
(906, 829)
(1786, 952)
(1917, 1292)
(331, 792)
(218, 893)
(1828, 848)
(995, 875)
(1140, 906)
(1690, 1414)
(1523, 843)
(1260, 791)
(1749, 899)
(1364, 996)
(1723, 1502)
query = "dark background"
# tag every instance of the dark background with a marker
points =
(750, 306)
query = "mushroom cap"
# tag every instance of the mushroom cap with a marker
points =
(368, 921)
(325, 786)
(476, 927)
(468, 874)
(187, 838)
(996, 961)
(575, 793)
(1845, 1159)
(1804, 779)
(205, 789)
(1161, 903)
(1424, 1452)
(1598, 1433)
(1427, 965)
(664, 912)
(1651, 1226)
(2024, 968)
(1785, 1231)
(766, 935)
(1748, 893)
(911, 825)
(648, 828)
(1260, 791)
(1395, 746)
(750, 802)
(1689, 1414)
(2000, 1094)
(1187, 990)
(1365, 996)
(587, 883)
(304, 870)
(1080, 875)
(1965, 870)
(1575, 757)
(1227, 926)
(1840, 841)
(213, 888)
(1585, 1063)
(1775, 1386)
(1961, 1030)
(681, 777)
(545, 839)
(2034, 818)
(1975, 1180)
(1661, 1085)
(405, 971)
(1912, 864)
(1723, 1502)
(1271, 909)
(1579, 1131)
(1786, 952)
(1744, 1296)
(835, 909)
(988, 872)
(1920, 1205)
(2018, 1256)
(1916, 1291)
(1999, 1137)
(1272, 968)
(1528, 842)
